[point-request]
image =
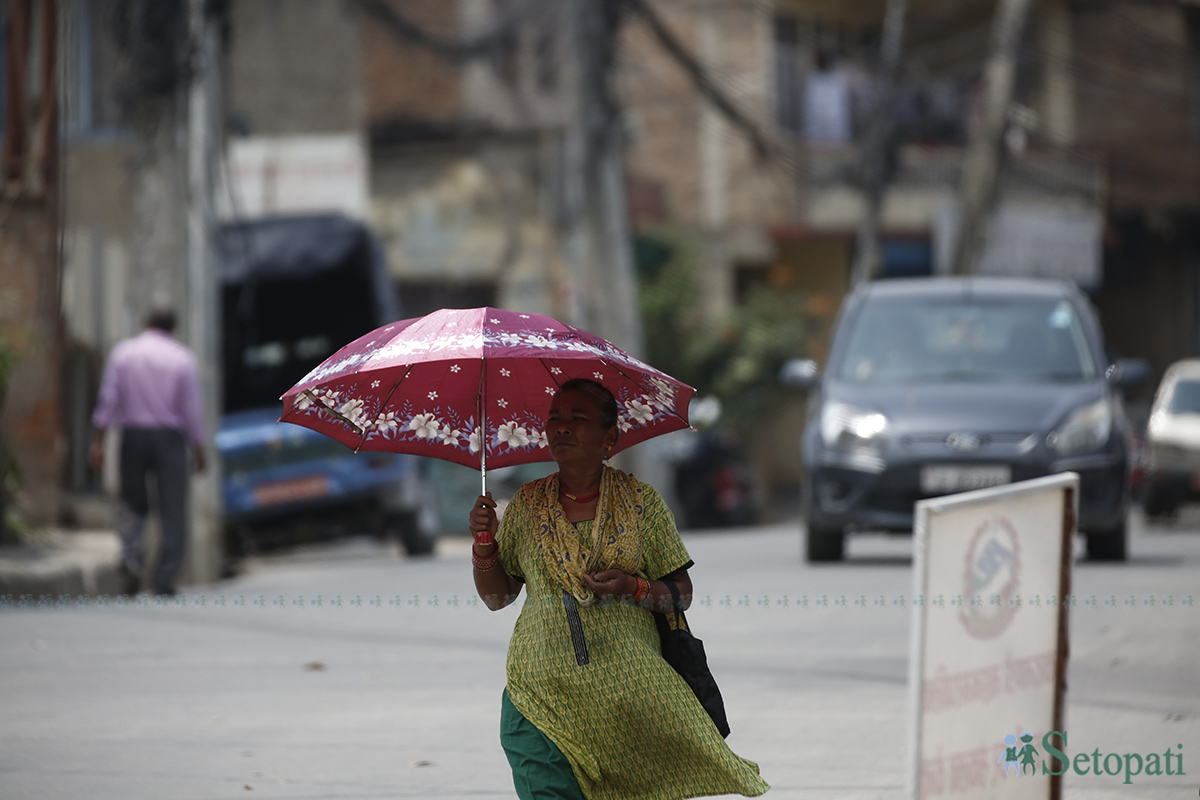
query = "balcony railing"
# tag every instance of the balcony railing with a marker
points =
(1062, 175)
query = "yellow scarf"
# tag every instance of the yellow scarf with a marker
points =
(616, 540)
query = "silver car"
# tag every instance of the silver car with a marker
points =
(1172, 444)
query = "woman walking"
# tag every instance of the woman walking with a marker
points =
(591, 710)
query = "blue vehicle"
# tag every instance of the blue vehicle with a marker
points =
(293, 290)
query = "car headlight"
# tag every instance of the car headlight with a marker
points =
(855, 433)
(1087, 428)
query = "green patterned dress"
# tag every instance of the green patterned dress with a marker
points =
(628, 724)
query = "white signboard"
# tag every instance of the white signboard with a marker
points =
(1031, 241)
(267, 175)
(988, 656)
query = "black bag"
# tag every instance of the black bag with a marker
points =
(685, 653)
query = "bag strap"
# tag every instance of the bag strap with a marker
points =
(674, 615)
(674, 596)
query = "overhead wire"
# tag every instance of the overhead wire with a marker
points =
(717, 88)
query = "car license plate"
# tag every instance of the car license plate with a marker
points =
(290, 491)
(945, 479)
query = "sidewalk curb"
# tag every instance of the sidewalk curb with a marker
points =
(67, 563)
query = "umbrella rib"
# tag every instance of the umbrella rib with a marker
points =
(640, 385)
(332, 411)
(549, 372)
(382, 406)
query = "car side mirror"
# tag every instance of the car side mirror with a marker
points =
(1127, 373)
(800, 373)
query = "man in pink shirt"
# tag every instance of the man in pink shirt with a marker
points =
(151, 391)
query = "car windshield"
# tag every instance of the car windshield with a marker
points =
(1185, 399)
(926, 340)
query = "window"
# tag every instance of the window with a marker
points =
(1185, 399)
(545, 55)
(826, 85)
(90, 68)
(822, 88)
(788, 72)
(927, 341)
(504, 53)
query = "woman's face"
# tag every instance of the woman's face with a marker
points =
(574, 431)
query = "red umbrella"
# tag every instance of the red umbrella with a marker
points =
(473, 386)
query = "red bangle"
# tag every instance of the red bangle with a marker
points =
(643, 589)
(484, 564)
(485, 537)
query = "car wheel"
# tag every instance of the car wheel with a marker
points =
(823, 543)
(1107, 545)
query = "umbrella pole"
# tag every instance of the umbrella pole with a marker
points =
(483, 426)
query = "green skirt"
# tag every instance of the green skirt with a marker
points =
(540, 770)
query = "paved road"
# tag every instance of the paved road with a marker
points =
(350, 672)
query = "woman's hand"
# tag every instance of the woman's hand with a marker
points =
(610, 583)
(483, 522)
(495, 586)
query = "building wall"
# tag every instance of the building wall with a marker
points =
(682, 147)
(689, 165)
(406, 82)
(465, 214)
(1136, 89)
(29, 324)
(295, 67)
(463, 156)
(96, 230)
(1133, 96)
(664, 113)
(532, 83)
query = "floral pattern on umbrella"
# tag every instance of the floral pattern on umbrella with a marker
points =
(422, 385)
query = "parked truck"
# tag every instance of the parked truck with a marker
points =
(293, 290)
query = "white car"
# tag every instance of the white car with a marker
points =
(1172, 444)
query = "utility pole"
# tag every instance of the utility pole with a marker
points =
(880, 136)
(981, 165)
(205, 556)
(598, 241)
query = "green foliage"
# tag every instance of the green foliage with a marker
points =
(737, 359)
(669, 298)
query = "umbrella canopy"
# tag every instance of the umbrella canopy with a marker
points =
(473, 386)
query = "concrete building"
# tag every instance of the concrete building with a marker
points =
(1099, 181)
(465, 147)
(477, 139)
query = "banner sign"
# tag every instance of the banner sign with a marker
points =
(987, 661)
(268, 175)
(1031, 241)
